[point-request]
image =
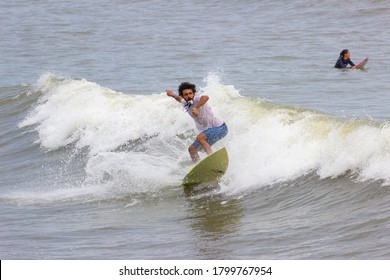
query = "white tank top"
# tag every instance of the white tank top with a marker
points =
(206, 118)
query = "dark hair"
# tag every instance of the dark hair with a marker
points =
(343, 52)
(186, 85)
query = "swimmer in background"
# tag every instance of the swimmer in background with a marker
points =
(344, 60)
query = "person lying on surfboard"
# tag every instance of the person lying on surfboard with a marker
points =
(344, 60)
(212, 128)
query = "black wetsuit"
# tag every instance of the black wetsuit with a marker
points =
(343, 63)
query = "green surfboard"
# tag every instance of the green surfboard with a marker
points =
(209, 169)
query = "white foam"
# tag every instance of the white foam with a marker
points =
(82, 112)
(267, 142)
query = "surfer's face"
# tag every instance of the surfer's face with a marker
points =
(188, 94)
(347, 55)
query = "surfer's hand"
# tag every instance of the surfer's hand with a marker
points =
(170, 92)
(195, 112)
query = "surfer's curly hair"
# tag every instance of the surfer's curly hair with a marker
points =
(186, 85)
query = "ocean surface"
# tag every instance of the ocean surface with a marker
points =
(92, 151)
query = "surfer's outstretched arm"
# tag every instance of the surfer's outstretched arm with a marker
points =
(172, 94)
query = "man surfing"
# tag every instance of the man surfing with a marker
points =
(212, 128)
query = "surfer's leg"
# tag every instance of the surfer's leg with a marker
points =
(202, 139)
(193, 150)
